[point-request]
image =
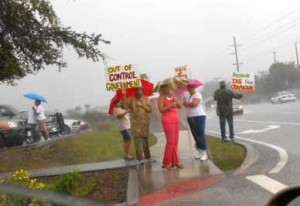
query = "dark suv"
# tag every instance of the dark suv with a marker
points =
(12, 127)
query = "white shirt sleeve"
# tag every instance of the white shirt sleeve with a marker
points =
(39, 109)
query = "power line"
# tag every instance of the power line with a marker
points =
(275, 22)
(276, 33)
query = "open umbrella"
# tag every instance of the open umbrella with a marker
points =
(33, 96)
(147, 86)
(194, 82)
(175, 83)
(112, 104)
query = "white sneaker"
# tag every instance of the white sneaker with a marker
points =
(203, 155)
(199, 154)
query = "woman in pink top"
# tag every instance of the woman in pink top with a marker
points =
(168, 105)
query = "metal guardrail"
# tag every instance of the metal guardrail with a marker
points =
(50, 199)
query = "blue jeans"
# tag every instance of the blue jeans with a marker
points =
(197, 125)
(223, 126)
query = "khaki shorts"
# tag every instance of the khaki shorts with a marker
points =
(41, 126)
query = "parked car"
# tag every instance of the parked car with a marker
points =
(237, 107)
(55, 124)
(13, 129)
(72, 126)
(84, 126)
(284, 96)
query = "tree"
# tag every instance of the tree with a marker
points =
(283, 76)
(31, 36)
(87, 107)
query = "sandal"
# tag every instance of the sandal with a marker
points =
(166, 167)
(128, 157)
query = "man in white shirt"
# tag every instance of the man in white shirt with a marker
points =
(41, 126)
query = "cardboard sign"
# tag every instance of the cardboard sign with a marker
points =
(121, 77)
(243, 82)
(181, 71)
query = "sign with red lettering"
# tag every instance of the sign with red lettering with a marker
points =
(243, 82)
(181, 71)
(122, 77)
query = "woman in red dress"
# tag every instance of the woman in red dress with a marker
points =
(168, 105)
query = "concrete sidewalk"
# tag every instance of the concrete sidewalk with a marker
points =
(157, 185)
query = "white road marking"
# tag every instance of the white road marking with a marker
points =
(267, 183)
(267, 122)
(283, 156)
(251, 131)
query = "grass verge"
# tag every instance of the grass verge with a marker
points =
(226, 156)
(95, 146)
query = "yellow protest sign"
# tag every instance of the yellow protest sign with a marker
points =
(121, 77)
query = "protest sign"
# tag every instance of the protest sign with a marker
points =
(181, 71)
(243, 82)
(122, 77)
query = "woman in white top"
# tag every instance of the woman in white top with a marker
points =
(196, 117)
(122, 116)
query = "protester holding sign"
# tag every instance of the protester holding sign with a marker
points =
(224, 97)
(168, 105)
(140, 107)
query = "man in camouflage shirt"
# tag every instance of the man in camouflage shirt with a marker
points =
(224, 97)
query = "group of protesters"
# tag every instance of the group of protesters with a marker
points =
(133, 119)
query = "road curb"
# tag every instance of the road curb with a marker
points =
(132, 188)
(251, 158)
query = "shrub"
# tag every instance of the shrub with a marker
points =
(22, 177)
(68, 183)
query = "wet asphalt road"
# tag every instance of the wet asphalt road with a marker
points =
(278, 125)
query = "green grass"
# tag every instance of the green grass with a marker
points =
(95, 146)
(227, 156)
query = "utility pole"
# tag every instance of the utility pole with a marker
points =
(275, 59)
(236, 55)
(297, 56)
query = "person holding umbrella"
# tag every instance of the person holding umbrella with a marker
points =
(41, 126)
(196, 117)
(168, 105)
(140, 107)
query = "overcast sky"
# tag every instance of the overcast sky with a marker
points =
(157, 36)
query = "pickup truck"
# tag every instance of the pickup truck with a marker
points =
(13, 129)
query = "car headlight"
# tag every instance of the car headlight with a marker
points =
(12, 124)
